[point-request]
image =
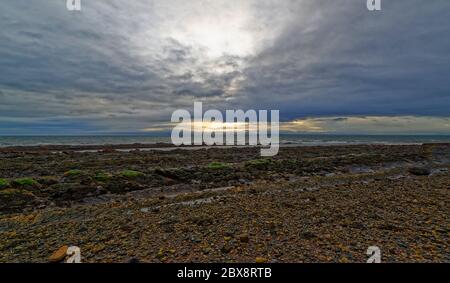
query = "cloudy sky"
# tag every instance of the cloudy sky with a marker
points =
(124, 66)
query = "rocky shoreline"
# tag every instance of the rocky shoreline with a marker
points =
(307, 204)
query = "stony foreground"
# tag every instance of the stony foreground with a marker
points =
(307, 204)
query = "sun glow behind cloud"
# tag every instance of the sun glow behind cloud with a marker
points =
(209, 127)
(217, 36)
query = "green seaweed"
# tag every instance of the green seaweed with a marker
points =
(131, 173)
(25, 182)
(218, 165)
(102, 176)
(262, 162)
(73, 172)
(4, 183)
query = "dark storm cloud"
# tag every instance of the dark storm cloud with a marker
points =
(123, 61)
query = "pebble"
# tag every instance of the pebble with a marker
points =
(134, 260)
(260, 260)
(244, 238)
(226, 248)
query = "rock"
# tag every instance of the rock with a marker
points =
(260, 260)
(168, 181)
(195, 239)
(108, 150)
(160, 253)
(244, 181)
(202, 219)
(308, 235)
(420, 171)
(59, 255)
(100, 190)
(395, 178)
(244, 238)
(48, 180)
(16, 200)
(226, 248)
(134, 260)
(4, 186)
(148, 209)
(229, 232)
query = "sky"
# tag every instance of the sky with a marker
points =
(125, 66)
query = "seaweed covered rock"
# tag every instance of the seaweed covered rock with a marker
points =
(4, 184)
(25, 183)
(48, 180)
(15, 200)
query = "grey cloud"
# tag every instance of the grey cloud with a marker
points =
(349, 61)
(312, 58)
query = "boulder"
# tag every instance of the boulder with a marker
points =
(59, 255)
(420, 171)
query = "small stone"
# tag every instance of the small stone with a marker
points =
(244, 238)
(260, 260)
(59, 255)
(308, 235)
(226, 248)
(229, 233)
(133, 260)
(195, 239)
(244, 181)
(419, 171)
(160, 253)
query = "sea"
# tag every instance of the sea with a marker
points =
(285, 139)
